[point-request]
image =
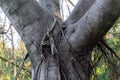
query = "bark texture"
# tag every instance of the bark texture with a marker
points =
(85, 26)
(51, 6)
(80, 9)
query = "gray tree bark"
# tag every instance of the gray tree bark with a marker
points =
(84, 27)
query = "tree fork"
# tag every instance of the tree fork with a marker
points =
(73, 61)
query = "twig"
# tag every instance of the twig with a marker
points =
(71, 3)
(67, 6)
(21, 65)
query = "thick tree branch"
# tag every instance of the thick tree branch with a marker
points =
(94, 24)
(52, 7)
(32, 22)
(31, 30)
(80, 9)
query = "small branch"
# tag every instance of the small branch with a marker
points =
(109, 48)
(67, 6)
(8, 28)
(71, 3)
(21, 66)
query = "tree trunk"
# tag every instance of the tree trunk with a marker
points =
(62, 53)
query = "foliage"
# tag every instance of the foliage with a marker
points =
(103, 69)
(7, 63)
